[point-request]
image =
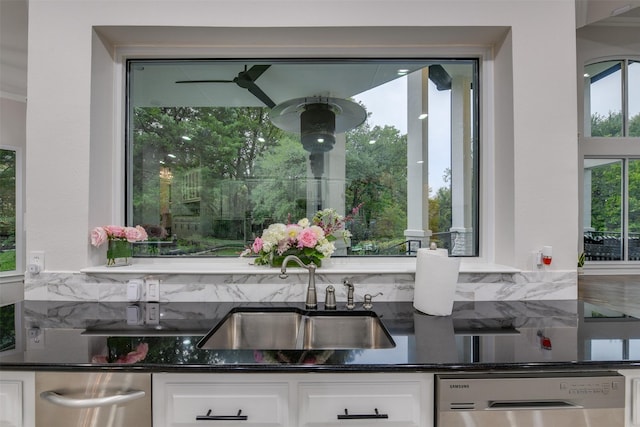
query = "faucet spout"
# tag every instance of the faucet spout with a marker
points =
(312, 297)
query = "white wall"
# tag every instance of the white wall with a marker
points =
(529, 122)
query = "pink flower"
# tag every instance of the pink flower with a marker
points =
(307, 238)
(135, 234)
(257, 245)
(143, 232)
(98, 236)
(115, 231)
(136, 355)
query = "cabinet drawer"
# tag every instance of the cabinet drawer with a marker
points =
(360, 404)
(226, 404)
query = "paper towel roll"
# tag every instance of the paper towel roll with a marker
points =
(436, 281)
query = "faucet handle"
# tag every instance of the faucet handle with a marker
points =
(368, 304)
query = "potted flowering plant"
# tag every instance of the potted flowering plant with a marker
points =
(311, 241)
(119, 240)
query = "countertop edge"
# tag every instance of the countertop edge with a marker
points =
(272, 368)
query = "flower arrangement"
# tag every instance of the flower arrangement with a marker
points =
(119, 239)
(311, 240)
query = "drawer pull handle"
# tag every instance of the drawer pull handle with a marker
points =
(210, 417)
(346, 416)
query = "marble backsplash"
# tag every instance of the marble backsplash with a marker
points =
(269, 287)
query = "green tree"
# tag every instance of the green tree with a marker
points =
(606, 126)
(634, 125)
(606, 197)
(280, 182)
(376, 174)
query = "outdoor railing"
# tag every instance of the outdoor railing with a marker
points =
(608, 246)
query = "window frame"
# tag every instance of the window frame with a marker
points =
(478, 173)
(623, 147)
(487, 69)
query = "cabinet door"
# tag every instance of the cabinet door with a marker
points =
(223, 403)
(359, 404)
(632, 389)
(17, 407)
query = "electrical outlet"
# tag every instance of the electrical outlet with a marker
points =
(152, 313)
(153, 290)
(37, 258)
(134, 288)
(36, 339)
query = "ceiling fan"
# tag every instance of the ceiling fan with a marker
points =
(246, 80)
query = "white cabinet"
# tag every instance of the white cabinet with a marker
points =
(188, 400)
(632, 393)
(17, 405)
(365, 400)
(296, 400)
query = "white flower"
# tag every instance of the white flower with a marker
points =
(325, 247)
(304, 222)
(274, 233)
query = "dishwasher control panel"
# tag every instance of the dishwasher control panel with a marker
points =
(492, 391)
(505, 399)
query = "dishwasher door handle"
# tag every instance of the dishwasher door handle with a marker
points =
(91, 402)
(508, 405)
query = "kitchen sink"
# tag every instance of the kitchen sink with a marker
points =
(289, 328)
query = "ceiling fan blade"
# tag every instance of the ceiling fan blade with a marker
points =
(205, 81)
(245, 79)
(258, 93)
(256, 71)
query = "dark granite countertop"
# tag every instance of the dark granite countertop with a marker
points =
(522, 335)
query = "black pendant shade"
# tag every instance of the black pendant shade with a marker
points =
(317, 120)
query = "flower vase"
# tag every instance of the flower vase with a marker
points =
(277, 260)
(119, 253)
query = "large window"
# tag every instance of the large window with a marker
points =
(611, 215)
(220, 149)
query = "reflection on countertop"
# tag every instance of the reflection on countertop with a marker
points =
(478, 335)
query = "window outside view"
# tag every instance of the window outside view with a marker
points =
(612, 184)
(7, 210)
(213, 160)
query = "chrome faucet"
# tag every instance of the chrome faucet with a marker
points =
(312, 298)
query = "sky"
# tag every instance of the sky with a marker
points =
(606, 96)
(387, 105)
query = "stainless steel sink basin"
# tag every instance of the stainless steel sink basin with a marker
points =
(289, 328)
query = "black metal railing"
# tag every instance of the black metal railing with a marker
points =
(609, 246)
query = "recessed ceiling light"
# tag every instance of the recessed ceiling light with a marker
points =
(420, 162)
(423, 116)
(402, 71)
(261, 139)
(320, 140)
(586, 74)
(373, 141)
(186, 138)
(173, 156)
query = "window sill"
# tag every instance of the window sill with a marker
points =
(378, 265)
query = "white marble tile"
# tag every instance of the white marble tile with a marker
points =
(270, 287)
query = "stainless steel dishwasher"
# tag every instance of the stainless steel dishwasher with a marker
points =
(526, 400)
(93, 399)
